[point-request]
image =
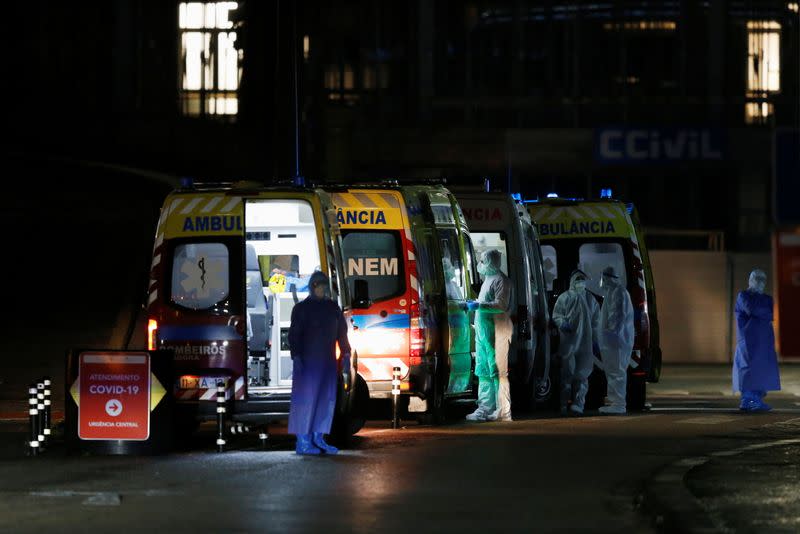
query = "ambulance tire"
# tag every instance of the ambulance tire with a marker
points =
(637, 393)
(437, 405)
(346, 424)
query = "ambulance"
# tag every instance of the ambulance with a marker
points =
(229, 264)
(591, 235)
(500, 221)
(409, 270)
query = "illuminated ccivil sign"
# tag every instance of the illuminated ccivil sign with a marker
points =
(638, 146)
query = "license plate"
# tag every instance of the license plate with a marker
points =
(201, 382)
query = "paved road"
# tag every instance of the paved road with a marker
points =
(537, 474)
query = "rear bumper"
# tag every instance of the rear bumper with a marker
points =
(255, 410)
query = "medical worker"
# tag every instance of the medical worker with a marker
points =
(616, 339)
(317, 325)
(493, 329)
(755, 364)
(576, 314)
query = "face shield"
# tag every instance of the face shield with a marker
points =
(490, 263)
(577, 281)
(758, 281)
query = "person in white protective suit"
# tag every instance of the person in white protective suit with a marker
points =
(616, 339)
(493, 330)
(576, 315)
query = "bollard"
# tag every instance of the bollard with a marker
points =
(221, 416)
(47, 406)
(395, 397)
(40, 410)
(34, 420)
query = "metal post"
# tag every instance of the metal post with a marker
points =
(220, 416)
(47, 406)
(395, 397)
(34, 420)
(40, 410)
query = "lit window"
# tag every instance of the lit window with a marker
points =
(642, 25)
(210, 62)
(763, 68)
(757, 112)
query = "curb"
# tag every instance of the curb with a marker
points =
(673, 507)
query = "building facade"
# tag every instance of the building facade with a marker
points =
(673, 104)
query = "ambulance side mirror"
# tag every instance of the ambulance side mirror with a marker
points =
(361, 294)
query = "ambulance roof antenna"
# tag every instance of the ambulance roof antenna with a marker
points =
(298, 178)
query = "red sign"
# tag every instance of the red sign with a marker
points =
(114, 395)
(787, 291)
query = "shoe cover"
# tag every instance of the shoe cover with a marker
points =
(612, 410)
(576, 409)
(478, 415)
(305, 447)
(756, 406)
(319, 441)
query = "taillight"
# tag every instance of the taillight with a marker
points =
(416, 336)
(152, 329)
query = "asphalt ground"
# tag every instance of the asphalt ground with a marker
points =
(541, 473)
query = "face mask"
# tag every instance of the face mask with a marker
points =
(580, 285)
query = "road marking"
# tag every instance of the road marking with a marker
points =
(715, 409)
(709, 420)
(103, 499)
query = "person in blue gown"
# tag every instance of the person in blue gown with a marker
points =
(755, 364)
(317, 326)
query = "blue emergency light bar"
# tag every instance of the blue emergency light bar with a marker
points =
(605, 193)
(552, 195)
(517, 196)
(187, 182)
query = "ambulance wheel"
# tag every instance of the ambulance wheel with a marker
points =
(637, 393)
(348, 423)
(437, 406)
(542, 390)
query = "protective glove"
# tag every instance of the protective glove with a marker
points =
(473, 305)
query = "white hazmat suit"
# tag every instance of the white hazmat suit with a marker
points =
(576, 315)
(616, 338)
(493, 330)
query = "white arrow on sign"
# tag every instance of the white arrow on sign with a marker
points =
(113, 407)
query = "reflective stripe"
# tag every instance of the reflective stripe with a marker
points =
(191, 205)
(211, 204)
(230, 205)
